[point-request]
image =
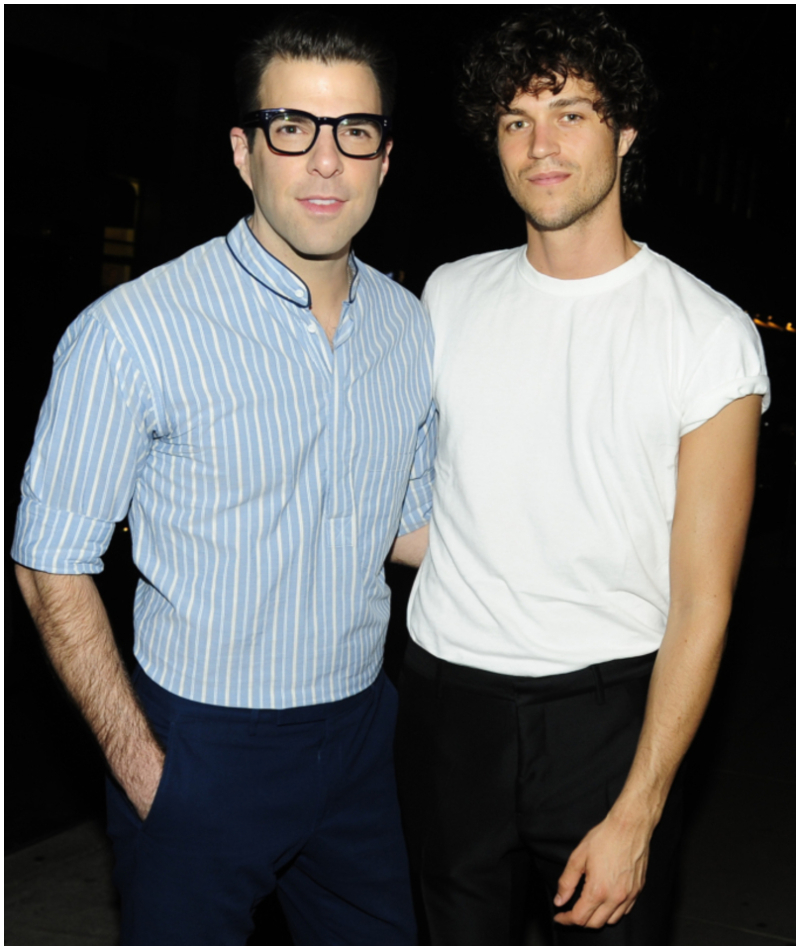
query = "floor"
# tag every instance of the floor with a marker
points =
(737, 881)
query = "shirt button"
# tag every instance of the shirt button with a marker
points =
(311, 328)
(299, 293)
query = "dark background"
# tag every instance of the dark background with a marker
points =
(118, 118)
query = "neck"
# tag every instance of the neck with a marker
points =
(589, 247)
(327, 278)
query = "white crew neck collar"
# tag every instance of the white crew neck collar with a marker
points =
(585, 285)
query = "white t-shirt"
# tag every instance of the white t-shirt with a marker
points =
(562, 404)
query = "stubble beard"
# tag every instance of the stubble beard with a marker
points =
(580, 207)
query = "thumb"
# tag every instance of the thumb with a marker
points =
(568, 881)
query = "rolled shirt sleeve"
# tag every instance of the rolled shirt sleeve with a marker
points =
(419, 494)
(94, 433)
(731, 365)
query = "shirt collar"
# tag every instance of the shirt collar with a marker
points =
(271, 273)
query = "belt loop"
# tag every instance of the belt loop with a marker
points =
(598, 685)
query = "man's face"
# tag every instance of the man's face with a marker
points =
(311, 205)
(560, 160)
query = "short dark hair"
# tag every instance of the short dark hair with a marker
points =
(323, 37)
(543, 48)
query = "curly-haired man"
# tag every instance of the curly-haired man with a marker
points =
(599, 411)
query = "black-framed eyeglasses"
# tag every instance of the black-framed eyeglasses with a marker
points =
(293, 132)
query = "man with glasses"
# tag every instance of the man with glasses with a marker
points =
(260, 409)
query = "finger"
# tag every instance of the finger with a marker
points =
(607, 912)
(568, 881)
(580, 913)
(612, 910)
(629, 908)
(621, 911)
(571, 919)
(600, 917)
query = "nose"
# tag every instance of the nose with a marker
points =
(543, 141)
(325, 159)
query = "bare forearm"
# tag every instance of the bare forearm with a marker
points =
(680, 688)
(77, 635)
(410, 549)
(716, 470)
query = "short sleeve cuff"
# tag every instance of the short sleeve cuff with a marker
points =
(59, 542)
(707, 405)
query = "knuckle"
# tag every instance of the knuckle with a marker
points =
(595, 893)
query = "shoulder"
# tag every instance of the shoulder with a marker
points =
(703, 311)
(175, 278)
(469, 282)
(149, 302)
(713, 344)
(477, 268)
(388, 291)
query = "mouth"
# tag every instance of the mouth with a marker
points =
(547, 179)
(318, 204)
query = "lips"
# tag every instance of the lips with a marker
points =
(322, 204)
(548, 178)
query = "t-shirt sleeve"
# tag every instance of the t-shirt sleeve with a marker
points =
(93, 436)
(731, 366)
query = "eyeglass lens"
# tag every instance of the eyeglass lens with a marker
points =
(294, 133)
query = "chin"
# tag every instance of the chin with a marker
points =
(561, 218)
(322, 251)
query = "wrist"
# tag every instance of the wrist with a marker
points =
(138, 761)
(640, 808)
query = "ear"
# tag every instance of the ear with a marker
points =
(385, 160)
(241, 155)
(626, 139)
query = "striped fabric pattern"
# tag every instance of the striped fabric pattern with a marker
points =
(263, 474)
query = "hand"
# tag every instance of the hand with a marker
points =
(613, 859)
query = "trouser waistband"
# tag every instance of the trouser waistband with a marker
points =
(169, 705)
(532, 689)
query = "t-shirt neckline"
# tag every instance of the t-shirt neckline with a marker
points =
(584, 286)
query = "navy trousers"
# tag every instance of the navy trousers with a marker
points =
(299, 800)
(502, 776)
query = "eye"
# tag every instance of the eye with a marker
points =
(514, 125)
(573, 117)
(357, 132)
(292, 126)
(362, 129)
(288, 129)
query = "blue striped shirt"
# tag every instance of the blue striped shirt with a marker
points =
(264, 474)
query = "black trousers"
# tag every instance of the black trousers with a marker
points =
(500, 778)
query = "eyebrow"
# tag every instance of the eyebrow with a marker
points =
(564, 103)
(574, 101)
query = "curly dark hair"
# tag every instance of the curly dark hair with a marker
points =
(541, 50)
